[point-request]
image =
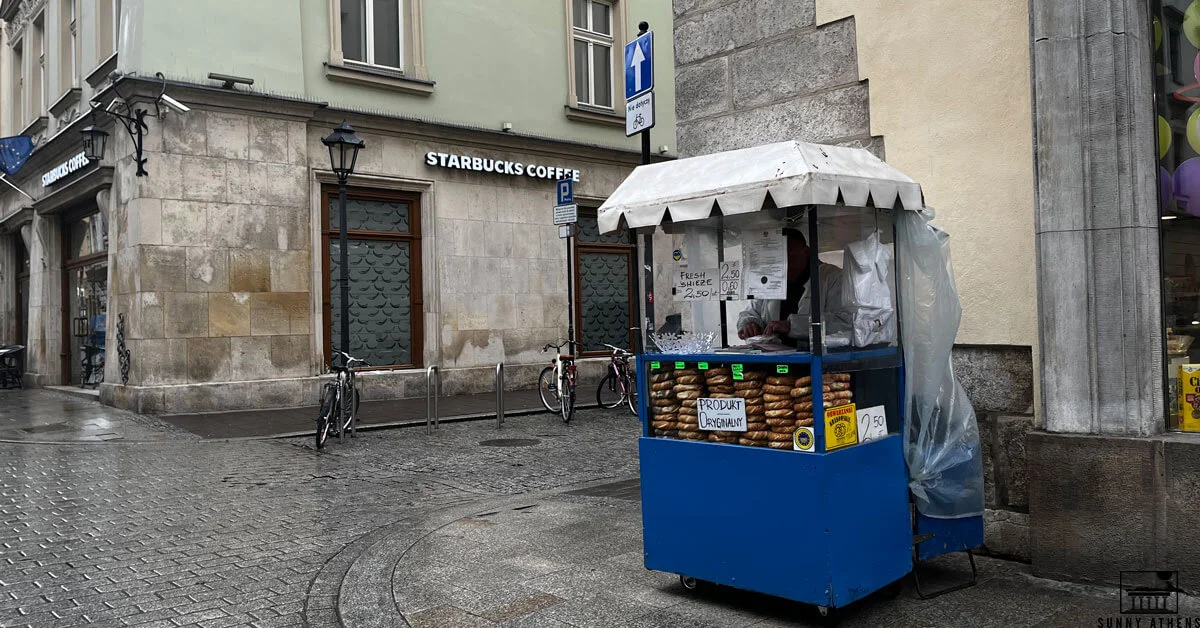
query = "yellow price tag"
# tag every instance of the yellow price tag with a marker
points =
(841, 427)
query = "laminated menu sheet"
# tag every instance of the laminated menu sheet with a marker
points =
(764, 264)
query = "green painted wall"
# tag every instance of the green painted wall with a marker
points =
(494, 61)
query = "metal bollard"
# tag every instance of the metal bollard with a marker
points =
(433, 389)
(499, 395)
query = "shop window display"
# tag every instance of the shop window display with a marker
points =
(1176, 41)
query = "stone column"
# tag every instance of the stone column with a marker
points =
(44, 354)
(8, 289)
(1099, 279)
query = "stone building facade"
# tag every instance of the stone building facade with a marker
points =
(211, 283)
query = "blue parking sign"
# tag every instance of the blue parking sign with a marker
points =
(566, 192)
(639, 66)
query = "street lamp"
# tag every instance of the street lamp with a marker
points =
(343, 147)
(94, 140)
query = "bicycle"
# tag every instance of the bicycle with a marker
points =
(620, 384)
(339, 402)
(556, 384)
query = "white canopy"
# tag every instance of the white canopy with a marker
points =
(793, 173)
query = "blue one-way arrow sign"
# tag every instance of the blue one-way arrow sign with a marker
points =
(639, 66)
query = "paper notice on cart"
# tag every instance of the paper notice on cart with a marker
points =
(695, 285)
(764, 260)
(872, 423)
(726, 415)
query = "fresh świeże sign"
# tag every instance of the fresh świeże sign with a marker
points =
(725, 415)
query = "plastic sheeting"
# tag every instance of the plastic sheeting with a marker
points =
(863, 314)
(941, 437)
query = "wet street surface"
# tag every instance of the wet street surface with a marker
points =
(537, 524)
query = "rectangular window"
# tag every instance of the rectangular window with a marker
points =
(371, 32)
(37, 91)
(384, 250)
(18, 86)
(592, 48)
(68, 68)
(108, 27)
(604, 310)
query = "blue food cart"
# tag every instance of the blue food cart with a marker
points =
(785, 448)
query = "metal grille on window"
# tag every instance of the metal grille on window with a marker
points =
(380, 302)
(604, 299)
(370, 215)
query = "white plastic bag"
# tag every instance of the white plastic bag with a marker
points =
(941, 437)
(864, 310)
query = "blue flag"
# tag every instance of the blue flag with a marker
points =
(13, 153)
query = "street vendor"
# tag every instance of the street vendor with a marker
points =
(789, 318)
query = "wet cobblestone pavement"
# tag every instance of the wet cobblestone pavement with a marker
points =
(534, 525)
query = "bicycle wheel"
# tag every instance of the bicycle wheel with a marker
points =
(348, 407)
(325, 416)
(568, 397)
(354, 413)
(548, 391)
(609, 394)
(631, 395)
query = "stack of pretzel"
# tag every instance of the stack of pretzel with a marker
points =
(689, 386)
(750, 389)
(835, 392)
(664, 408)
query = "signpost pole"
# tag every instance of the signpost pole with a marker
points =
(646, 243)
(566, 215)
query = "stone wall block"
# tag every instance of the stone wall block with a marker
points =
(290, 356)
(1092, 509)
(185, 314)
(228, 136)
(160, 362)
(208, 360)
(795, 65)
(996, 378)
(1006, 534)
(833, 115)
(291, 271)
(144, 222)
(1009, 458)
(499, 242)
(292, 228)
(703, 89)
(1181, 493)
(279, 184)
(186, 134)
(987, 427)
(268, 139)
(237, 182)
(223, 227)
(184, 223)
(297, 147)
(738, 24)
(279, 313)
(207, 270)
(249, 270)
(165, 180)
(203, 178)
(1064, 337)
(250, 358)
(161, 268)
(229, 314)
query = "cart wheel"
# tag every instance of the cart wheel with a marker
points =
(691, 584)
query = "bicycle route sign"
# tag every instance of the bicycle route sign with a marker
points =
(639, 114)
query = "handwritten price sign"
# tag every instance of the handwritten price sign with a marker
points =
(872, 423)
(695, 285)
(731, 280)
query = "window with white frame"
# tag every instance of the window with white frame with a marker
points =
(18, 85)
(38, 91)
(68, 69)
(371, 32)
(592, 49)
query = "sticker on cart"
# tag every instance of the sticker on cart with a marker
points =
(803, 439)
(726, 415)
(841, 427)
(703, 366)
(782, 369)
(736, 369)
(679, 366)
(656, 365)
(872, 423)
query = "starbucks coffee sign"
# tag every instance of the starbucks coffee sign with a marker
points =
(65, 168)
(498, 166)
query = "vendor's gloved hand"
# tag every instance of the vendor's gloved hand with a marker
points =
(779, 328)
(750, 330)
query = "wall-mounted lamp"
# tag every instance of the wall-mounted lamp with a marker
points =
(134, 121)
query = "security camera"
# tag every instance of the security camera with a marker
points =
(113, 104)
(175, 104)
